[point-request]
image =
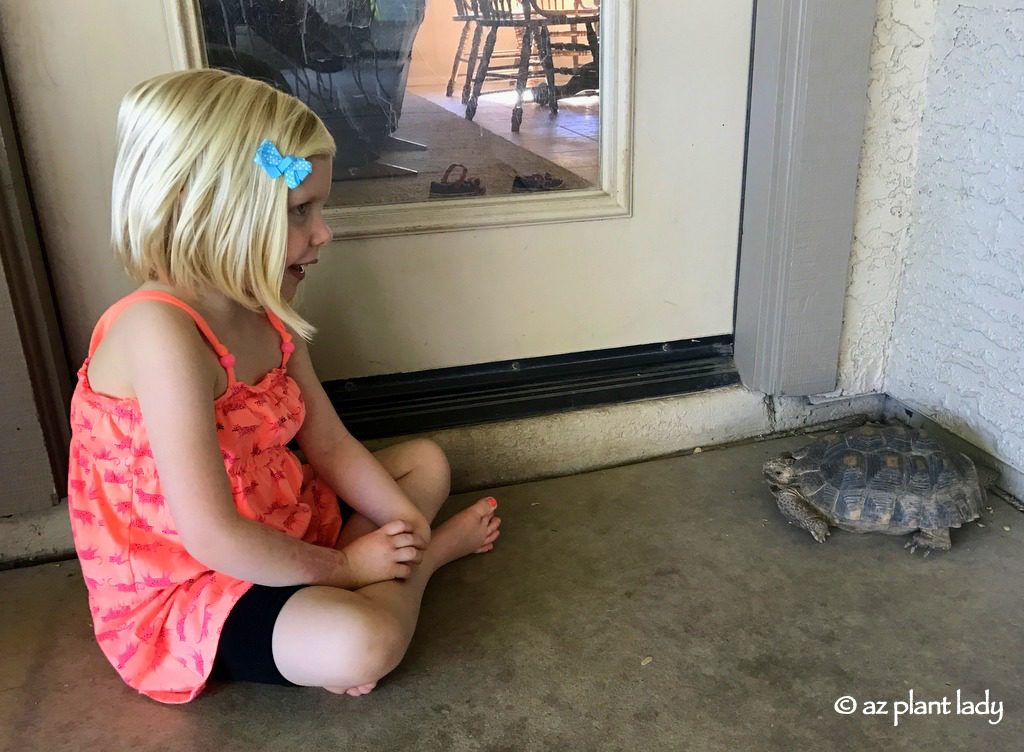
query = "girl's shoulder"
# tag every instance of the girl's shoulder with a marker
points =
(152, 313)
(139, 334)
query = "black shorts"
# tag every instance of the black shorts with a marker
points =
(246, 648)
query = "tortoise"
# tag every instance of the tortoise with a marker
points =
(877, 478)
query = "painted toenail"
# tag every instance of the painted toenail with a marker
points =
(492, 501)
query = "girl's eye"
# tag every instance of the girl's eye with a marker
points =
(301, 209)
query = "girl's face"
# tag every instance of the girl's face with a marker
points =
(307, 230)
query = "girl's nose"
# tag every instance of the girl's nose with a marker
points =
(322, 233)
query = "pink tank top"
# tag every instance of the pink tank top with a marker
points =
(157, 612)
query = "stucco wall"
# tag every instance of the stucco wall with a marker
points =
(956, 352)
(886, 188)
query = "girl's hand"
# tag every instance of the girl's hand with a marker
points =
(388, 553)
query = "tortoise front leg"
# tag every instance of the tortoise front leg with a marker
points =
(796, 509)
(937, 540)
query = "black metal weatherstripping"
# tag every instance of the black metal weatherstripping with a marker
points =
(396, 404)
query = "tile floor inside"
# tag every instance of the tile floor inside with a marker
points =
(571, 138)
(656, 606)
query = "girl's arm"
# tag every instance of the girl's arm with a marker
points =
(348, 467)
(174, 377)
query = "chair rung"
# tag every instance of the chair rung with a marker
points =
(569, 47)
(535, 73)
(566, 71)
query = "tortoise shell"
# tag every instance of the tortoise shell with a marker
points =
(887, 478)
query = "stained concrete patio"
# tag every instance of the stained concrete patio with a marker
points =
(657, 606)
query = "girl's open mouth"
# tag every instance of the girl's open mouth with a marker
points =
(299, 270)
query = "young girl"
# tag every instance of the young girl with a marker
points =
(206, 546)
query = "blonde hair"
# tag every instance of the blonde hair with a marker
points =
(190, 208)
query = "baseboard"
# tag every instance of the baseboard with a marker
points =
(516, 451)
(36, 537)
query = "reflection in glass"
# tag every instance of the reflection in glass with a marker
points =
(451, 99)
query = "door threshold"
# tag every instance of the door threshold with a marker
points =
(399, 404)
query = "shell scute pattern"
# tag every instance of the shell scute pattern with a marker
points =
(876, 478)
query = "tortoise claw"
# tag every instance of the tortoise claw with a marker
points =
(818, 530)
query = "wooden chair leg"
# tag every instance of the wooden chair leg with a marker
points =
(474, 50)
(549, 68)
(524, 69)
(458, 59)
(595, 45)
(481, 72)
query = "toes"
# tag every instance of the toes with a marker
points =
(485, 507)
(488, 544)
(359, 691)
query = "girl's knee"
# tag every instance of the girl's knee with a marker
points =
(377, 646)
(343, 645)
(431, 456)
(429, 459)
(370, 648)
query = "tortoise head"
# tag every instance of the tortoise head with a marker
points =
(778, 471)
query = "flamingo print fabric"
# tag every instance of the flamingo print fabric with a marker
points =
(157, 612)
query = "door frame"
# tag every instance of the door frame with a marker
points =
(808, 101)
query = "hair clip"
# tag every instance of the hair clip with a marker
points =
(295, 169)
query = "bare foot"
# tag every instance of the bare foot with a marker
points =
(471, 531)
(362, 689)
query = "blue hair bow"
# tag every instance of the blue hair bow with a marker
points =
(295, 169)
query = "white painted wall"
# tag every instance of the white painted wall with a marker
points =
(68, 65)
(435, 45)
(24, 462)
(957, 350)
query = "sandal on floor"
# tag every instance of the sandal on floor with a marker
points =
(535, 182)
(445, 188)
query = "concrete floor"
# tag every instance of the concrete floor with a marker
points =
(658, 606)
